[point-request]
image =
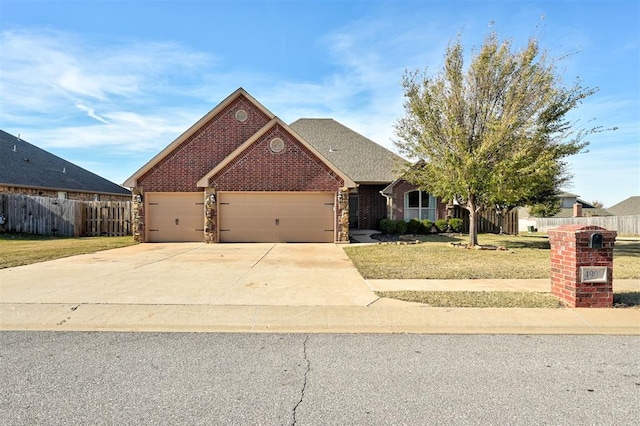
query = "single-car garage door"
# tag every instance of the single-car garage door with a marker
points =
(292, 217)
(174, 216)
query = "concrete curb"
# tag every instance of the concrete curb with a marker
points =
(385, 316)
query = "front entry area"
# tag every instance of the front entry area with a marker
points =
(269, 217)
(174, 216)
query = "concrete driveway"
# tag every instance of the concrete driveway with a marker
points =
(194, 274)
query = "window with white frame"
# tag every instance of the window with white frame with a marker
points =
(419, 205)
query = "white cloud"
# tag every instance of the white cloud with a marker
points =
(52, 81)
(91, 113)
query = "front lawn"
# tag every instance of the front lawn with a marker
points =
(436, 258)
(22, 249)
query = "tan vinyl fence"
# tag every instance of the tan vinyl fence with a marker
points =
(52, 216)
(624, 225)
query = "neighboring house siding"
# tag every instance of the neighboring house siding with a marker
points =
(71, 195)
(201, 152)
(372, 206)
(295, 168)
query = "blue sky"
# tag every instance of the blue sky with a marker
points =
(108, 84)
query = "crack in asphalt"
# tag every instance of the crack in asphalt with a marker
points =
(304, 383)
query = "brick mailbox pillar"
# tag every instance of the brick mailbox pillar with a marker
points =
(582, 265)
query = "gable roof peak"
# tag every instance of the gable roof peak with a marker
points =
(275, 121)
(132, 180)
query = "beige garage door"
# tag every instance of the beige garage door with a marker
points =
(292, 217)
(174, 216)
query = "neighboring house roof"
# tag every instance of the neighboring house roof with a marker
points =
(360, 158)
(586, 212)
(204, 182)
(567, 195)
(25, 165)
(628, 207)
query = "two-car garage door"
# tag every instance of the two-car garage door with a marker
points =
(276, 217)
(243, 217)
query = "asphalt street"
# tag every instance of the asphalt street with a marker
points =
(317, 379)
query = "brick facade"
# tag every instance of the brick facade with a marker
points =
(205, 149)
(569, 252)
(372, 206)
(397, 203)
(294, 168)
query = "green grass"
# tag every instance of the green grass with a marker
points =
(436, 258)
(21, 249)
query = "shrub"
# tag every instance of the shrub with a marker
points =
(413, 227)
(388, 226)
(442, 225)
(425, 226)
(401, 227)
(456, 224)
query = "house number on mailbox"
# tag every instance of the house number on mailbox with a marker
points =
(593, 274)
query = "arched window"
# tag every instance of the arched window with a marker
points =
(419, 205)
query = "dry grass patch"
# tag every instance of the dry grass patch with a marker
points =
(476, 299)
(436, 258)
(497, 299)
(20, 249)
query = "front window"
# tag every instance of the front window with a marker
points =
(419, 205)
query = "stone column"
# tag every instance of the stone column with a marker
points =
(137, 215)
(582, 265)
(343, 215)
(210, 216)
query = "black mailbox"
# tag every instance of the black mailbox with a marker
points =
(595, 241)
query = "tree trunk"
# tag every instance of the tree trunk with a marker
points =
(473, 221)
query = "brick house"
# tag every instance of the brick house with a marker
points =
(406, 201)
(240, 174)
(28, 170)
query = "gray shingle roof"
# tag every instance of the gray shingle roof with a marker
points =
(24, 164)
(628, 207)
(586, 211)
(360, 158)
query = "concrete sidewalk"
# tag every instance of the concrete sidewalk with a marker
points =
(306, 288)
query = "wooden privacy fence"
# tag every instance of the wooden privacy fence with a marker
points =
(52, 216)
(107, 218)
(489, 221)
